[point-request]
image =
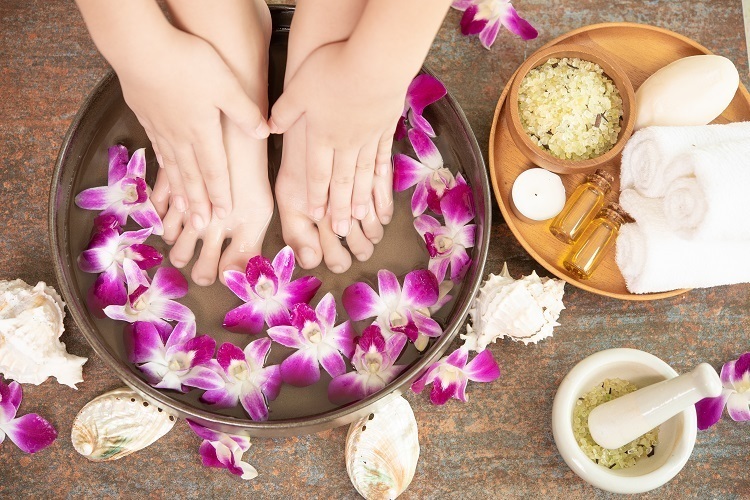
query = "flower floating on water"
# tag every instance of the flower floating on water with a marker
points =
(152, 302)
(224, 451)
(318, 341)
(424, 90)
(246, 380)
(398, 312)
(374, 363)
(268, 293)
(30, 432)
(735, 376)
(126, 192)
(450, 375)
(183, 361)
(484, 17)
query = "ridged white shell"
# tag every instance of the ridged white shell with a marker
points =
(525, 310)
(31, 322)
(117, 424)
(382, 450)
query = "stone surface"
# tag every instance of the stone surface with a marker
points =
(500, 443)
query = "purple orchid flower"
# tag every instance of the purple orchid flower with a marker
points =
(151, 302)
(224, 451)
(268, 293)
(402, 312)
(30, 432)
(447, 244)
(106, 253)
(485, 17)
(246, 379)
(374, 363)
(735, 376)
(183, 361)
(318, 341)
(428, 174)
(423, 90)
(126, 192)
(450, 375)
(443, 298)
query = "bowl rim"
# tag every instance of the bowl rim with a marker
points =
(577, 460)
(271, 428)
(611, 69)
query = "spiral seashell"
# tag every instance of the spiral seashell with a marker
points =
(117, 424)
(382, 451)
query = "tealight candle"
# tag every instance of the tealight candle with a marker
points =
(537, 195)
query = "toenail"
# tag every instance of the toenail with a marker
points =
(385, 219)
(342, 228)
(198, 223)
(362, 257)
(179, 203)
(319, 213)
(306, 256)
(360, 211)
(203, 281)
(337, 269)
(178, 263)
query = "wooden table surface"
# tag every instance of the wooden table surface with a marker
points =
(500, 443)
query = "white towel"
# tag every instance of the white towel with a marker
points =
(650, 150)
(713, 202)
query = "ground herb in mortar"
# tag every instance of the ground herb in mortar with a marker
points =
(623, 457)
(570, 108)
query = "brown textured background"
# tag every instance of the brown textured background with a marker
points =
(500, 443)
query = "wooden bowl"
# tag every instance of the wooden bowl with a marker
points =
(541, 157)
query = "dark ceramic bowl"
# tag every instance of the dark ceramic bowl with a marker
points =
(105, 120)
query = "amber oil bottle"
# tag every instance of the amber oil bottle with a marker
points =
(595, 242)
(581, 207)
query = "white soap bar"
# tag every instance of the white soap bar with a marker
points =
(690, 91)
(538, 194)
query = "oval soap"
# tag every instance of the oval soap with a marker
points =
(690, 91)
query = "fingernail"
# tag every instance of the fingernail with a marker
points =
(263, 130)
(360, 211)
(342, 228)
(220, 212)
(272, 128)
(179, 203)
(306, 256)
(198, 223)
(385, 219)
(319, 213)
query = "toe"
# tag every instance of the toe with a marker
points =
(205, 268)
(184, 247)
(173, 223)
(300, 233)
(246, 242)
(359, 245)
(337, 258)
(372, 227)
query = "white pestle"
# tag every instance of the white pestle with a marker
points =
(617, 422)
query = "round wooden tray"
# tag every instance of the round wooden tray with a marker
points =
(639, 50)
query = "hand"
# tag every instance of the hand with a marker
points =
(350, 121)
(178, 91)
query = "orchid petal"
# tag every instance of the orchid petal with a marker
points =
(272, 385)
(208, 455)
(259, 267)
(394, 346)
(421, 288)
(134, 276)
(145, 215)
(440, 393)
(424, 90)
(330, 360)
(738, 406)
(360, 301)
(31, 433)
(237, 283)
(283, 264)
(118, 163)
(517, 25)
(301, 368)
(342, 338)
(426, 224)
(227, 353)
(182, 333)
(388, 286)
(470, 25)
(247, 318)
(169, 283)
(426, 150)
(419, 200)
(457, 205)
(173, 311)
(145, 256)
(257, 350)
(347, 388)
(462, 4)
(255, 405)
(460, 261)
(203, 431)
(488, 34)
(439, 267)
(10, 400)
(426, 378)
(326, 310)
(300, 290)
(288, 336)
(466, 236)
(221, 398)
(427, 325)
(709, 410)
(204, 378)
(458, 358)
(137, 163)
(202, 347)
(483, 368)
(97, 198)
(400, 129)
(143, 342)
(407, 172)
(109, 289)
(276, 314)
(420, 123)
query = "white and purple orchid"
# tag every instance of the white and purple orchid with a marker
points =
(317, 340)
(126, 193)
(268, 292)
(184, 360)
(224, 451)
(443, 298)
(447, 244)
(398, 312)
(31, 433)
(246, 379)
(450, 375)
(423, 90)
(152, 302)
(374, 364)
(484, 17)
(735, 377)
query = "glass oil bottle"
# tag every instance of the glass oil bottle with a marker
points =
(595, 242)
(581, 207)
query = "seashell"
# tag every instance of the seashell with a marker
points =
(118, 423)
(31, 322)
(526, 310)
(382, 450)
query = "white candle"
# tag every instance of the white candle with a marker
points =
(537, 195)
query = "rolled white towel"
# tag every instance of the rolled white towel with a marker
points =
(649, 151)
(643, 210)
(713, 203)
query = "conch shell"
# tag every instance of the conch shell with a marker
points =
(382, 450)
(526, 310)
(118, 423)
(31, 322)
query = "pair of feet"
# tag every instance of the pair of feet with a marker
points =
(313, 242)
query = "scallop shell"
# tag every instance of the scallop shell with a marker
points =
(382, 451)
(117, 424)
(526, 310)
(31, 322)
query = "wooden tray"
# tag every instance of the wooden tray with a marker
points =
(640, 50)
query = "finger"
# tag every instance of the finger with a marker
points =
(160, 194)
(319, 165)
(241, 110)
(179, 198)
(384, 154)
(359, 244)
(363, 174)
(195, 188)
(382, 189)
(371, 225)
(340, 193)
(285, 112)
(212, 161)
